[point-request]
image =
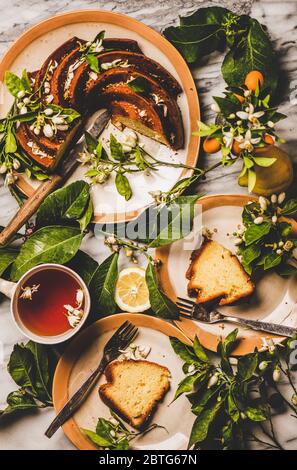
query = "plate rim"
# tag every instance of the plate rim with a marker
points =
(68, 359)
(179, 64)
(208, 339)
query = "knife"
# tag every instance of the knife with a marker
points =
(68, 166)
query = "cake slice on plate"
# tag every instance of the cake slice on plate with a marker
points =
(215, 273)
(134, 389)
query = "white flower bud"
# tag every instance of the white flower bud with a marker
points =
(276, 374)
(270, 124)
(48, 131)
(10, 179)
(16, 164)
(62, 127)
(215, 107)
(247, 93)
(126, 148)
(36, 131)
(263, 365)
(26, 100)
(23, 110)
(281, 198)
(243, 415)
(258, 220)
(48, 111)
(212, 381)
(239, 123)
(3, 169)
(58, 120)
(111, 240)
(279, 252)
(112, 433)
(273, 198)
(191, 368)
(274, 219)
(20, 105)
(263, 203)
(238, 241)
(233, 361)
(21, 94)
(232, 116)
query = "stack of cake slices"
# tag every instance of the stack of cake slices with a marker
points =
(138, 91)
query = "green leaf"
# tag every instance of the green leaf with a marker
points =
(247, 365)
(202, 398)
(253, 52)
(140, 85)
(187, 384)
(226, 105)
(161, 305)
(199, 351)
(13, 83)
(26, 80)
(69, 113)
(256, 232)
(98, 440)
(272, 260)
(84, 265)
(42, 377)
(21, 367)
(103, 284)
(257, 414)
(91, 142)
(196, 41)
(123, 186)
(7, 257)
(185, 352)
(86, 218)
(251, 180)
(10, 142)
(68, 204)
(103, 429)
(202, 423)
(290, 207)
(116, 148)
(232, 408)
(53, 244)
(173, 221)
(210, 15)
(224, 349)
(249, 254)
(93, 62)
(18, 401)
(264, 161)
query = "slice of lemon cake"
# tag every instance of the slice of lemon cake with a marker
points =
(215, 273)
(134, 389)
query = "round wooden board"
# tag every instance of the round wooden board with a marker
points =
(25, 50)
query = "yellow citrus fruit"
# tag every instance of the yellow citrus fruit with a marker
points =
(132, 294)
(275, 178)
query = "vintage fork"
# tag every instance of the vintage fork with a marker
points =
(120, 340)
(190, 309)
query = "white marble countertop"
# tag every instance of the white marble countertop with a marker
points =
(26, 432)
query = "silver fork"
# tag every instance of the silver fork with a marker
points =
(120, 340)
(190, 309)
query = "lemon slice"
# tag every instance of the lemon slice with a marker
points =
(132, 293)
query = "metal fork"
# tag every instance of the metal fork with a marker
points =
(190, 309)
(120, 340)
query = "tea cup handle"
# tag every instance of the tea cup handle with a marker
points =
(7, 288)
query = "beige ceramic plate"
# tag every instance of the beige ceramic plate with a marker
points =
(83, 356)
(274, 298)
(34, 46)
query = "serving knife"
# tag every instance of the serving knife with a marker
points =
(68, 166)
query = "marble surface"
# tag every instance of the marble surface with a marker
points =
(281, 18)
